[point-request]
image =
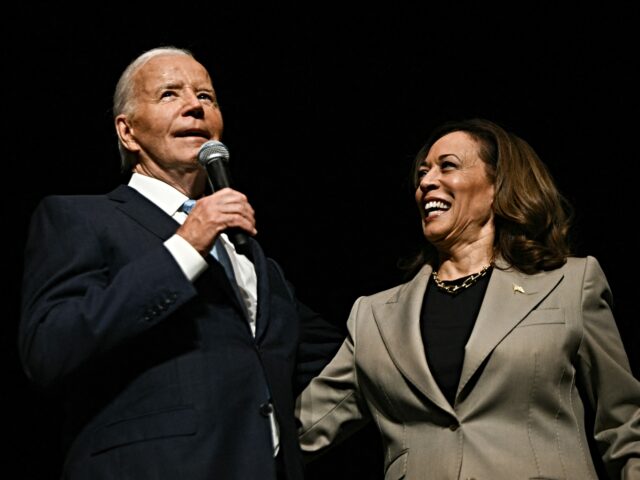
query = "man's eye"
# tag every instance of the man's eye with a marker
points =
(166, 94)
(208, 98)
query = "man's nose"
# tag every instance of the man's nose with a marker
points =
(193, 106)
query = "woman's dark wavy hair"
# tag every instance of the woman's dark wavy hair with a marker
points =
(532, 218)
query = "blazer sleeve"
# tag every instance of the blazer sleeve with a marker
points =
(611, 388)
(75, 307)
(319, 338)
(330, 407)
(319, 342)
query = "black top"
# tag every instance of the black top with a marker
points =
(446, 322)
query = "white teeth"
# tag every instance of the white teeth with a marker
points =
(435, 204)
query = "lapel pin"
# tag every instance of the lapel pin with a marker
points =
(517, 288)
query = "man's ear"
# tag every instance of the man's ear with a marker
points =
(125, 133)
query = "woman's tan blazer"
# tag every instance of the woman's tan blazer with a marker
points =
(542, 348)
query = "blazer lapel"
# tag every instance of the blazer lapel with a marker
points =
(156, 221)
(143, 211)
(398, 321)
(264, 289)
(510, 296)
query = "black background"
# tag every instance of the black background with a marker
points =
(324, 108)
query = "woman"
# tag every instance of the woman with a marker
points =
(484, 365)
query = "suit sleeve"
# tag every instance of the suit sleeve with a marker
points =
(319, 342)
(330, 407)
(319, 338)
(612, 390)
(74, 308)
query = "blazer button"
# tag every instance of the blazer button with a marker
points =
(453, 427)
(266, 409)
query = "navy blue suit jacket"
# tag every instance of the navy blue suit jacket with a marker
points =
(161, 377)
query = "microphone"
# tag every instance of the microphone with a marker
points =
(214, 157)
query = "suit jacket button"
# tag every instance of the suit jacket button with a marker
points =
(266, 409)
(453, 427)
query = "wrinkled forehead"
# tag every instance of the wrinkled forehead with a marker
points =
(175, 70)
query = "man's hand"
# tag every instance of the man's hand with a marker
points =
(211, 215)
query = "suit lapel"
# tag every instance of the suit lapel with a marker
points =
(155, 220)
(262, 278)
(510, 296)
(143, 211)
(398, 321)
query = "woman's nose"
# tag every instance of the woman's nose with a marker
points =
(429, 179)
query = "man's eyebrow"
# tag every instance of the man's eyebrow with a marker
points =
(171, 84)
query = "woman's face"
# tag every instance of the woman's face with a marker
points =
(455, 194)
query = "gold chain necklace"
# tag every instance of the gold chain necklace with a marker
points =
(470, 280)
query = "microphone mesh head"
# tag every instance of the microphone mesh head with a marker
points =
(212, 150)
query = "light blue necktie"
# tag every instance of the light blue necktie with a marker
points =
(187, 206)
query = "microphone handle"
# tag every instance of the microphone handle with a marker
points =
(219, 178)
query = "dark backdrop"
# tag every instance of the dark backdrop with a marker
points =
(325, 107)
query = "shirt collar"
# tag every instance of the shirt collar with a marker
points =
(160, 193)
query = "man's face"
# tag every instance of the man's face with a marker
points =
(174, 111)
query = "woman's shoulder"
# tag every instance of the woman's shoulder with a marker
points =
(582, 263)
(572, 264)
(585, 270)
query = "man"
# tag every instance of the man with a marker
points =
(170, 365)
